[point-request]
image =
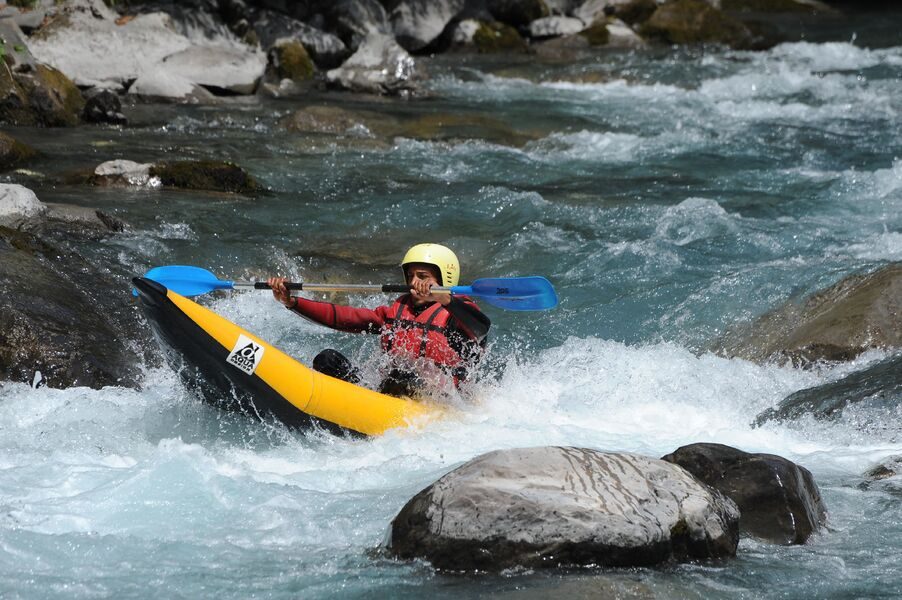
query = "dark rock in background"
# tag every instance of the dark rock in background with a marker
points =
(778, 500)
(61, 314)
(695, 22)
(103, 106)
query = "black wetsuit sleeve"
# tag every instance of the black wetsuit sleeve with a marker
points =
(469, 318)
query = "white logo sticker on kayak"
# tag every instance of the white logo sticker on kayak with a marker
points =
(246, 354)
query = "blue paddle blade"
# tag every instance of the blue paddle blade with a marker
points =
(187, 281)
(512, 293)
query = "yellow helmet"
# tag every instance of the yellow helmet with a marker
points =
(438, 256)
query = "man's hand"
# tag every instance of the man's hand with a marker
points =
(421, 292)
(280, 292)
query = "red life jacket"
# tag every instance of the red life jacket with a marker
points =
(413, 336)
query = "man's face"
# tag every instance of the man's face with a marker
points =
(420, 272)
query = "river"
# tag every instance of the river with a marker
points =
(668, 195)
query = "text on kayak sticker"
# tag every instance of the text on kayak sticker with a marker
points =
(246, 354)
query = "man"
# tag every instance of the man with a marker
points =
(431, 339)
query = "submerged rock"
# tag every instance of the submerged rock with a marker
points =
(695, 22)
(877, 388)
(889, 467)
(380, 66)
(60, 314)
(551, 506)
(13, 152)
(778, 499)
(208, 175)
(835, 324)
(332, 120)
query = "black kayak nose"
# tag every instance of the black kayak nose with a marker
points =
(150, 292)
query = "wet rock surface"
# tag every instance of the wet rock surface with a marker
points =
(209, 175)
(61, 315)
(552, 506)
(835, 324)
(778, 500)
(876, 389)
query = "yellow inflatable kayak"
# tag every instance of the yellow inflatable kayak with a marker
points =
(234, 369)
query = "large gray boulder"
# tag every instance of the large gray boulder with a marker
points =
(417, 23)
(553, 506)
(380, 66)
(232, 69)
(835, 324)
(90, 48)
(778, 499)
(91, 45)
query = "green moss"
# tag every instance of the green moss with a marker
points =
(64, 91)
(497, 37)
(22, 3)
(291, 61)
(770, 6)
(13, 152)
(204, 175)
(597, 33)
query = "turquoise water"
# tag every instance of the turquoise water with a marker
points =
(668, 195)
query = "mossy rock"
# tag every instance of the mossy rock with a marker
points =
(13, 100)
(13, 152)
(43, 96)
(57, 98)
(597, 33)
(498, 37)
(695, 22)
(448, 126)
(770, 6)
(207, 175)
(290, 60)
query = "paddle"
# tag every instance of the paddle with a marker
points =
(511, 293)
